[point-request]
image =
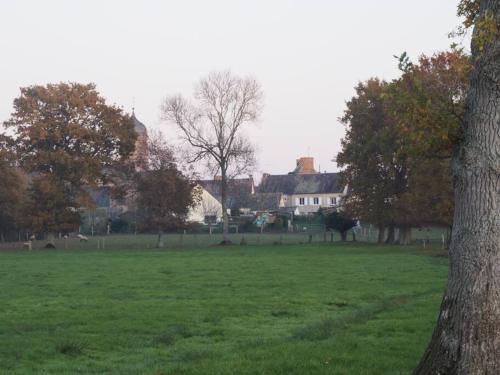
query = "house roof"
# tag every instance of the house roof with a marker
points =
(265, 201)
(314, 183)
(239, 191)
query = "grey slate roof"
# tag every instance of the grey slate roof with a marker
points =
(238, 195)
(316, 183)
(265, 201)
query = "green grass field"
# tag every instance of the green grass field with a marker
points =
(325, 308)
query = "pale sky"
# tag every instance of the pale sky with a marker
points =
(307, 54)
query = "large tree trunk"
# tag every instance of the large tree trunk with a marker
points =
(159, 242)
(381, 231)
(404, 236)
(390, 233)
(466, 339)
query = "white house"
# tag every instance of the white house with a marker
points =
(209, 209)
(305, 189)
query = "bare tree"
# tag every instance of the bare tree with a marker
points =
(212, 126)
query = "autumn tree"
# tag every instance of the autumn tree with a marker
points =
(426, 105)
(66, 137)
(12, 189)
(213, 126)
(50, 207)
(466, 339)
(164, 194)
(369, 156)
(427, 102)
(398, 145)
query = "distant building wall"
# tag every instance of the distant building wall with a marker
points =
(309, 203)
(208, 206)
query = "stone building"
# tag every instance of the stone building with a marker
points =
(141, 144)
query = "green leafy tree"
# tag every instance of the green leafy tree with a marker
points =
(367, 155)
(339, 222)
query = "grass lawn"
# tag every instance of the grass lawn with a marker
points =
(295, 309)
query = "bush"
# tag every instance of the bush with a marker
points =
(247, 225)
(339, 222)
(119, 226)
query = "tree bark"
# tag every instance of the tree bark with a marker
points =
(404, 237)
(159, 243)
(466, 339)
(343, 236)
(381, 231)
(390, 234)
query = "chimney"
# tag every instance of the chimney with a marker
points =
(305, 165)
(217, 178)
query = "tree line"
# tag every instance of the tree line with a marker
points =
(424, 148)
(400, 138)
(65, 141)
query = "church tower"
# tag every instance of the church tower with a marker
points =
(141, 144)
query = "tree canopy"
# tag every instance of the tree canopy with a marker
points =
(399, 141)
(164, 194)
(66, 137)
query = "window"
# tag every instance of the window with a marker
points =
(302, 201)
(315, 200)
(333, 201)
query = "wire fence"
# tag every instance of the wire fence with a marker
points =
(184, 239)
(176, 240)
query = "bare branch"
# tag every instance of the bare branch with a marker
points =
(212, 127)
